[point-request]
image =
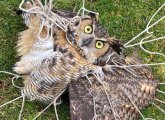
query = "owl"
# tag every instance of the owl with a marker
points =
(122, 92)
(83, 58)
(84, 47)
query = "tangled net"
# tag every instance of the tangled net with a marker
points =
(51, 21)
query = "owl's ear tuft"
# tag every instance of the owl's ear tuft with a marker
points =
(117, 46)
(94, 16)
(75, 22)
(71, 29)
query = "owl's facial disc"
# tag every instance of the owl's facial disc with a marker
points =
(96, 50)
(88, 36)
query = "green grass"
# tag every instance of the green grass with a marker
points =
(123, 19)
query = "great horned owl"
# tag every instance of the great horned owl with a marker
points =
(84, 47)
(67, 58)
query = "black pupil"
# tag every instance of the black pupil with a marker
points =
(88, 29)
(99, 44)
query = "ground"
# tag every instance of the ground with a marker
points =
(123, 19)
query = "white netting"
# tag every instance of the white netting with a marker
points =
(50, 19)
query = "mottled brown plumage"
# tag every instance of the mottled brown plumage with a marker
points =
(68, 58)
(121, 86)
(44, 62)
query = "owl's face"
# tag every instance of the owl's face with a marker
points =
(91, 39)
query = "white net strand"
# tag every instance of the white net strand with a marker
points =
(55, 109)
(23, 103)
(109, 100)
(90, 82)
(147, 41)
(134, 104)
(94, 108)
(120, 66)
(22, 96)
(15, 77)
(148, 26)
(109, 57)
(11, 101)
(40, 31)
(160, 101)
(42, 111)
(54, 102)
(149, 52)
(38, 3)
(31, 10)
(161, 83)
(153, 18)
(139, 65)
(144, 31)
(160, 91)
(46, 16)
(159, 108)
(110, 104)
(9, 73)
(59, 102)
(145, 38)
(83, 9)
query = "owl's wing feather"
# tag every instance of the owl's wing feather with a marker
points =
(119, 98)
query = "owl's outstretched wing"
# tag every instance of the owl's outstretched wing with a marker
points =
(121, 95)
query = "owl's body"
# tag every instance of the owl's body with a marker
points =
(125, 92)
(49, 65)
(55, 71)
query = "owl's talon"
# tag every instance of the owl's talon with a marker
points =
(127, 106)
(148, 89)
(143, 88)
(132, 109)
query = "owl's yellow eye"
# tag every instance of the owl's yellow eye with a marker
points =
(88, 29)
(99, 44)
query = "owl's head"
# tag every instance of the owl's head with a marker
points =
(92, 40)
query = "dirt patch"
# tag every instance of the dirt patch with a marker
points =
(3, 85)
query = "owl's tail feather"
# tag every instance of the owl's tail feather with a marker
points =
(136, 107)
(133, 103)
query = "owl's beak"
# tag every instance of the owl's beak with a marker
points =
(86, 42)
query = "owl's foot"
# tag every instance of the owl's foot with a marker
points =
(148, 89)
